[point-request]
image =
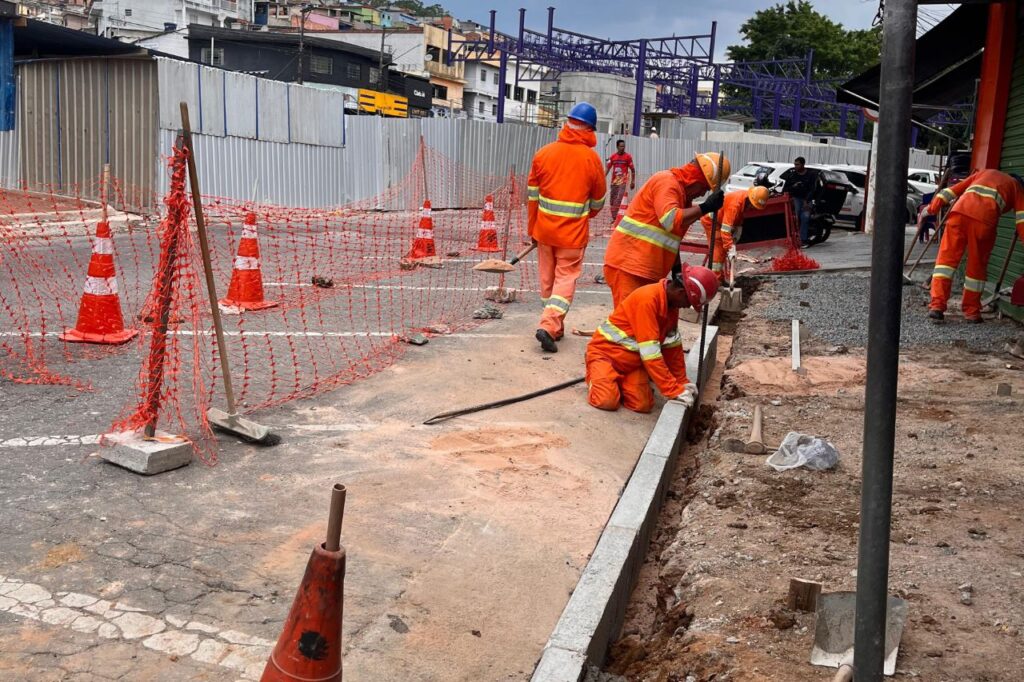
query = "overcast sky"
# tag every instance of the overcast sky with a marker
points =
(625, 19)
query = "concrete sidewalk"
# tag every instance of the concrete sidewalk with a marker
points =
(464, 539)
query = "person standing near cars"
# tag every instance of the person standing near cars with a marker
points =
(799, 185)
(620, 165)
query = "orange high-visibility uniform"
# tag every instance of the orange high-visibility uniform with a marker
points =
(639, 341)
(566, 189)
(971, 225)
(646, 242)
(730, 217)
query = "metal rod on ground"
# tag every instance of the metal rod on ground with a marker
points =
(1002, 273)
(333, 543)
(158, 344)
(711, 260)
(508, 225)
(423, 165)
(931, 238)
(230, 421)
(885, 310)
(445, 416)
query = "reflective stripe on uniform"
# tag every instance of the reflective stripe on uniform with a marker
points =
(947, 195)
(649, 350)
(974, 284)
(989, 192)
(649, 233)
(716, 267)
(533, 193)
(558, 303)
(247, 263)
(565, 209)
(669, 219)
(943, 271)
(1020, 217)
(597, 204)
(100, 286)
(672, 340)
(103, 245)
(612, 333)
(727, 229)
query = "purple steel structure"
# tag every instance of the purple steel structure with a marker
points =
(675, 65)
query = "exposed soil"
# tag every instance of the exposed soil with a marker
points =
(709, 604)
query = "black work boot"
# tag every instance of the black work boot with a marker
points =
(547, 342)
(936, 315)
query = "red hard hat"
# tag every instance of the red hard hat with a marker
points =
(700, 283)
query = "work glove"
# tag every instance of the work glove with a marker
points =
(688, 397)
(731, 253)
(713, 202)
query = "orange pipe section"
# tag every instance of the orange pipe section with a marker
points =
(994, 89)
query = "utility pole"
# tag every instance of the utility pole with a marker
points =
(382, 76)
(303, 13)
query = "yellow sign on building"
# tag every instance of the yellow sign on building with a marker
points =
(374, 102)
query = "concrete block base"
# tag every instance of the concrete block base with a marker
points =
(500, 295)
(129, 449)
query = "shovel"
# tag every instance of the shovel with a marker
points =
(499, 266)
(833, 633)
(990, 304)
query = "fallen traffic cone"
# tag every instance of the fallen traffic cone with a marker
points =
(423, 244)
(488, 240)
(309, 647)
(246, 289)
(99, 315)
(622, 209)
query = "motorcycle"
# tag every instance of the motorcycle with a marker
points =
(826, 202)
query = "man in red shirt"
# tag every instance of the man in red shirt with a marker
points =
(621, 166)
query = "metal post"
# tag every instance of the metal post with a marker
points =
(302, 37)
(694, 80)
(758, 109)
(522, 28)
(776, 108)
(638, 103)
(860, 125)
(448, 51)
(913, 135)
(842, 122)
(551, 25)
(502, 73)
(711, 46)
(886, 292)
(794, 121)
(490, 35)
(7, 78)
(714, 91)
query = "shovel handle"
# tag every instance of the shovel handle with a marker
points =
(523, 254)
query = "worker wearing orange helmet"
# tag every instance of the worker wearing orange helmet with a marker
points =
(731, 219)
(566, 188)
(640, 342)
(645, 245)
(977, 202)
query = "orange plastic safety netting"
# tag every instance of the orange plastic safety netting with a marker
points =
(313, 298)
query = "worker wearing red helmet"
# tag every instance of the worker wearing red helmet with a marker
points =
(645, 245)
(566, 188)
(639, 342)
(979, 201)
(731, 224)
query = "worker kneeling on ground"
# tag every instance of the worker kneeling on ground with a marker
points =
(566, 189)
(640, 341)
(979, 201)
(731, 219)
(645, 245)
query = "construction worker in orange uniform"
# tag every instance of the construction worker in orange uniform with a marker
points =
(566, 189)
(644, 247)
(977, 202)
(731, 219)
(640, 342)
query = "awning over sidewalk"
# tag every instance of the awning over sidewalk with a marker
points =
(947, 64)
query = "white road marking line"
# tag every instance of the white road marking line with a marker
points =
(236, 651)
(251, 333)
(463, 260)
(418, 288)
(36, 441)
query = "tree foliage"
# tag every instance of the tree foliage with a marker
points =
(788, 30)
(413, 7)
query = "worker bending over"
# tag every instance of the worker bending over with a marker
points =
(639, 342)
(731, 219)
(566, 189)
(645, 246)
(977, 202)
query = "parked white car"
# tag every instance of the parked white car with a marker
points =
(854, 207)
(744, 178)
(923, 180)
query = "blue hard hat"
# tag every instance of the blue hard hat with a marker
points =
(585, 113)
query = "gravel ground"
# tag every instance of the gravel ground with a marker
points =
(834, 307)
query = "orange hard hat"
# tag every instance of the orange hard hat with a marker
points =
(700, 283)
(758, 196)
(711, 163)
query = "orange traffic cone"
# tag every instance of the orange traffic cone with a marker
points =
(309, 647)
(488, 240)
(99, 316)
(246, 288)
(423, 244)
(622, 209)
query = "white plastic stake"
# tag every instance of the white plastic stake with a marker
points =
(796, 345)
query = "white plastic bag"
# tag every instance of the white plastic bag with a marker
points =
(801, 450)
